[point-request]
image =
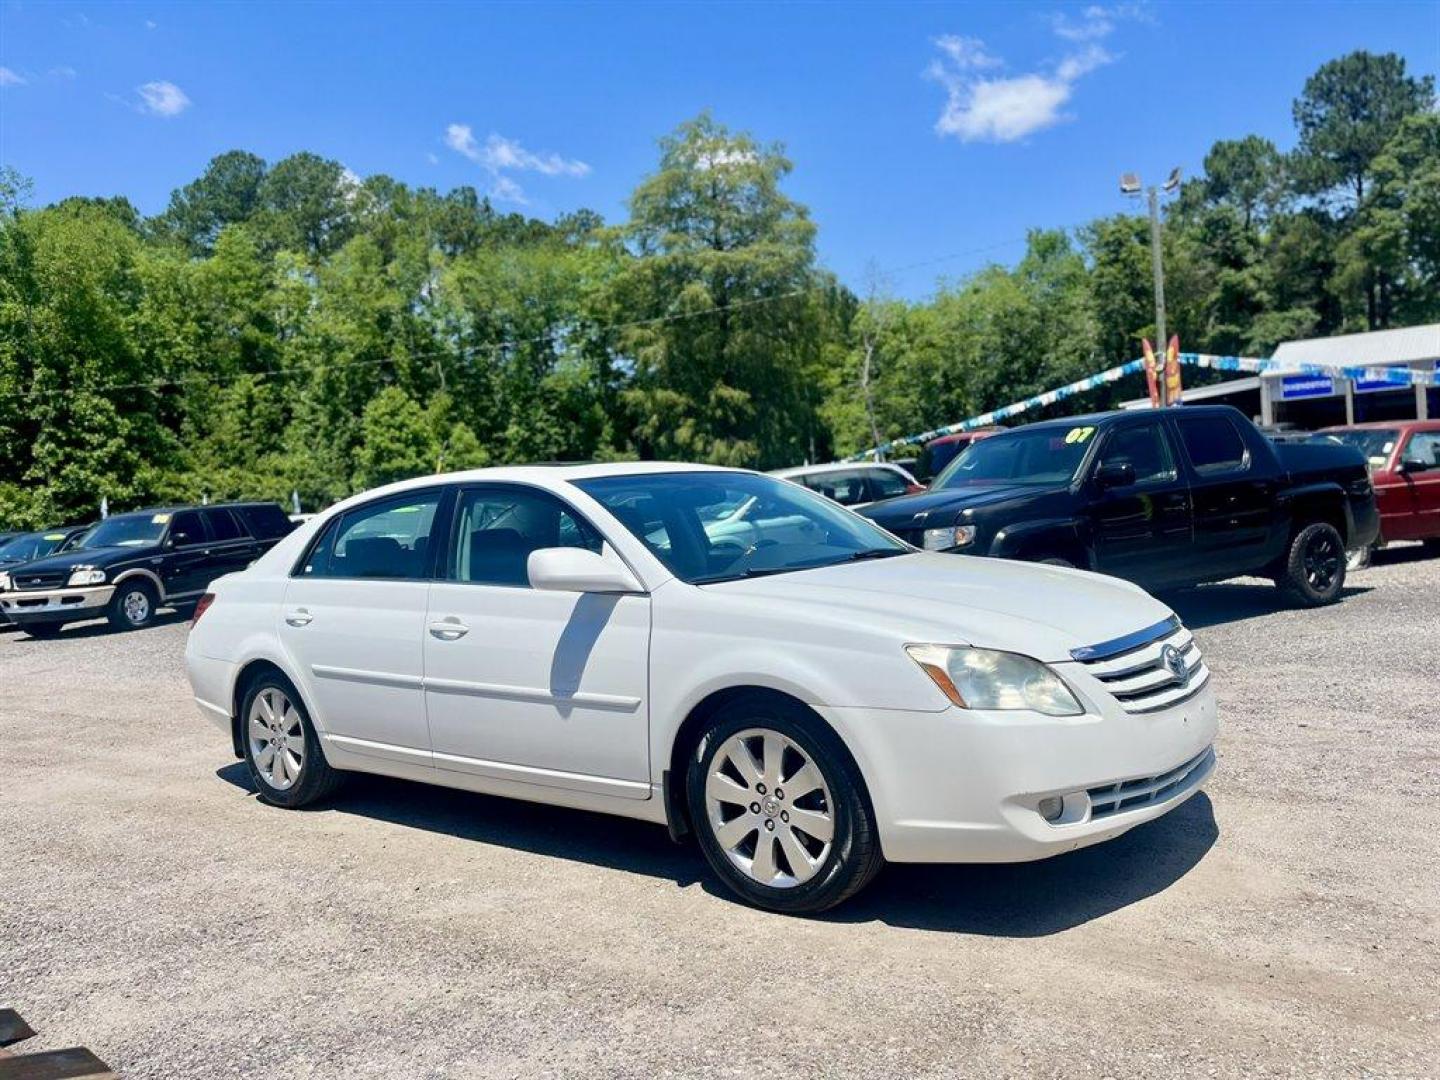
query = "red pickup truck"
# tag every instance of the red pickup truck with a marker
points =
(1404, 457)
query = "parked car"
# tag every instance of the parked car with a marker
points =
(129, 565)
(808, 709)
(854, 484)
(938, 453)
(1404, 460)
(1163, 498)
(27, 547)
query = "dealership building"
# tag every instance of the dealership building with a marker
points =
(1307, 388)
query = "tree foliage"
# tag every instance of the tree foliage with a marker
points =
(292, 327)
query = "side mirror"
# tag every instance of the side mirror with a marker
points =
(1414, 465)
(1116, 474)
(568, 569)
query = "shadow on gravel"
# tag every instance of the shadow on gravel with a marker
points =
(999, 900)
(94, 628)
(1211, 605)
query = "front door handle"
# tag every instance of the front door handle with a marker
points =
(299, 617)
(450, 629)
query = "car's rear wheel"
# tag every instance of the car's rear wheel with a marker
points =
(1314, 570)
(780, 809)
(282, 750)
(133, 605)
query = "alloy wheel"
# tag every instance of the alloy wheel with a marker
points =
(136, 606)
(1323, 560)
(769, 808)
(277, 738)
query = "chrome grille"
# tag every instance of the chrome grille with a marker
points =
(1149, 670)
(1145, 790)
(49, 579)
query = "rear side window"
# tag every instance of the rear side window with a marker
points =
(887, 483)
(389, 539)
(265, 522)
(223, 526)
(1212, 444)
(846, 488)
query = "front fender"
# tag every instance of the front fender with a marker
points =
(1068, 533)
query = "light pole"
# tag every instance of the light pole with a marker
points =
(1130, 185)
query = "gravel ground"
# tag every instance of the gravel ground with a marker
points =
(1284, 924)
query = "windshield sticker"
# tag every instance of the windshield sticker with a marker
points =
(160, 519)
(1078, 435)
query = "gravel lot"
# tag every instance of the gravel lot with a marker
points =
(1284, 924)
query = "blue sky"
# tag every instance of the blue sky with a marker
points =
(926, 138)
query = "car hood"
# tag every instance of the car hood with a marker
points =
(1041, 611)
(100, 557)
(917, 509)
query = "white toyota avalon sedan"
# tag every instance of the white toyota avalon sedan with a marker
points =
(809, 704)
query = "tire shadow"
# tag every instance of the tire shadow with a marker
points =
(1018, 900)
(1233, 601)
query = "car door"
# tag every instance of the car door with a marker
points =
(353, 623)
(1422, 486)
(183, 562)
(1233, 495)
(232, 547)
(533, 685)
(1142, 530)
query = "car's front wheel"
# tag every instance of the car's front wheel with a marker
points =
(281, 748)
(780, 809)
(133, 605)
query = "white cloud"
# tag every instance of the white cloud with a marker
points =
(162, 98)
(499, 156)
(65, 72)
(983, 105)
(151, 24)
(11, 78)
(432, 158)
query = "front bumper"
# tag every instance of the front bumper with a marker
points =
(24, 608)
(965, 785)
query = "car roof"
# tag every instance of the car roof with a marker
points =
(175, 509)
(1385, 425)
(831, 467)
(957, 436)
(1120, 414)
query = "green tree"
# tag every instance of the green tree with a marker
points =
(227, 193)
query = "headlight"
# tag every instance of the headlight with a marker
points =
(86, 575)
(986, 679)
(948, 537)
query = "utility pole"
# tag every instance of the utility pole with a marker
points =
(1130, 185)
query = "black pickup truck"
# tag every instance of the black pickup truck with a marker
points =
(128, 565)
(1163, 498)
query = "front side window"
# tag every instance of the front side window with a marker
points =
(887, 483)
(1424, 447)
(783, 527)
(388, 539)
(1145, 449)
(846, 488)
(1212, 444)
(187, 530)
(497, 528)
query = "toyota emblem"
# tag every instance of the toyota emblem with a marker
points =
(1174, 662)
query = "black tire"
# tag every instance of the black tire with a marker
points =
(317, 780)
(44, 631)
(853, 855)
(1314, 571)
(1432, 546)
(133, 605)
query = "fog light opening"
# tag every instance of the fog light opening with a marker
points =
(1052, 807)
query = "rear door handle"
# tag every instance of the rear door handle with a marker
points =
(299, 617)
(451, 629)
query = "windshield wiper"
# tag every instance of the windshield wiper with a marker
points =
(871, 553)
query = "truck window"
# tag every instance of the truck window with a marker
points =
(1144, 448)
(223, 526)
(1212, 444)
(266, 521)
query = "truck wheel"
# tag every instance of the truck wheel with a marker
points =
(1314, 570)
(132, 606)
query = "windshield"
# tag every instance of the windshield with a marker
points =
(1375, 443)
(1046, 455)
(30, 546)
(132, 530)
(719, 526)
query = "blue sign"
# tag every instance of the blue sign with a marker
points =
(1294, 387)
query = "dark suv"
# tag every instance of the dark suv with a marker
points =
(130, 564)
